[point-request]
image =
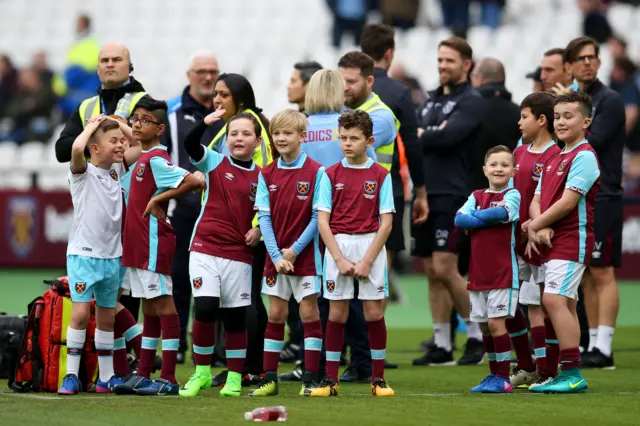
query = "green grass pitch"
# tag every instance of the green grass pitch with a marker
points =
(424, 395)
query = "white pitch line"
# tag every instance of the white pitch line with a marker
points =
(30, 396)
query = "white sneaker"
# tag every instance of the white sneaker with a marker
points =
(540, 382)
(521, 377)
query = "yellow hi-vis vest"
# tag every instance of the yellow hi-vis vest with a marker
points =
(262, 156)
(384, 153)
(91, 107)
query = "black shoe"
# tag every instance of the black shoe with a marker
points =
(428, 345)
(309, 377)
(352, 375)
(596, 359)
(220, 379)
(473, 353)
(180, 358)
(290, 353)
(133, 362)
(437, 356)
(157, 364)
(294, 375)
(389, 366)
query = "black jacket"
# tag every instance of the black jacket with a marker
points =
(74, 127)
(607, 136)
(448, 151)
(499, 127)
(182, 118)
(397, 96)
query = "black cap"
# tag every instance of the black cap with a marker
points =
(536, 75)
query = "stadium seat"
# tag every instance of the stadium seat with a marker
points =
(8, 152)
(52, 180)
(264, 38)
(30, 156)
(17, 180)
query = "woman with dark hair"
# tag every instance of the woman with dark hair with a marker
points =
(233, 94)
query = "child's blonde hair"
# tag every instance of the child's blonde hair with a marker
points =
(289, 119)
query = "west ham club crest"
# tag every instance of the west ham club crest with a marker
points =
(303, 190)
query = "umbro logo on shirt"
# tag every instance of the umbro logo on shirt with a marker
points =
(273, 187)
(229, 176)
(339, 186)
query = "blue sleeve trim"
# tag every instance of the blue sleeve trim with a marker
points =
(266, 228)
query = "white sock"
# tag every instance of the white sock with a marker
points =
(75, 343)
(593, 336)
(473, 330)
(104, 346)
(605, 339)
(442, 335)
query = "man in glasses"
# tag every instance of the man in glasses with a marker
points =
(195, 103)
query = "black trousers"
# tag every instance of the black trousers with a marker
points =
(356, 335)
(183, 227)
(257, 316)
(132, 304)
(342, 26)
(296, 332)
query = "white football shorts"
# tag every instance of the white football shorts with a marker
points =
(353, 248)
(213, 276)
(562, 277)
(146, 284)
(283, 286)
(496, 303)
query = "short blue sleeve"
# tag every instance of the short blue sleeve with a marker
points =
(262, 196)
(512, 199)
(316, 189)
(469, 206)
(385, 198)
(539, 186)
(209, 161)
(166, 174)
(324, 202)
(583, 173)
(384, 127)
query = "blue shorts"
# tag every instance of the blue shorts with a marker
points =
(90, 277)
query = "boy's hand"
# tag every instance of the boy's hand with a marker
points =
(362, 270)
(252, 238)
(214, 116)
(531, 248)
(283, 266)
(559, 89)
(203, 180)
(544, 236)
(525, 226)
(345, 267)
(94, 122)
(289, 255)
(154, 209)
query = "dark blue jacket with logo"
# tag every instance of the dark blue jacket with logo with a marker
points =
(184, 113)
(448, 151)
